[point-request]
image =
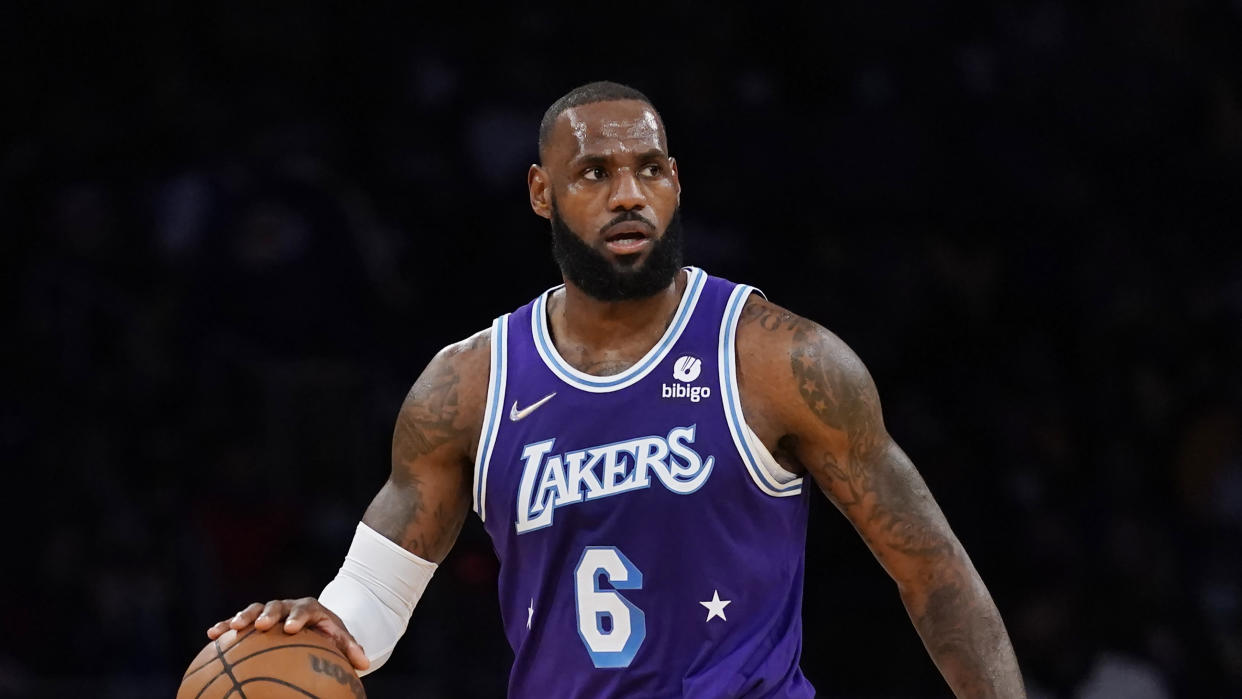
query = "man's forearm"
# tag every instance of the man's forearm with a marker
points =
(963, 631)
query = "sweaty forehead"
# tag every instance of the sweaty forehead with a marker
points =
(602, 127)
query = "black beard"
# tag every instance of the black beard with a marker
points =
(597, 276)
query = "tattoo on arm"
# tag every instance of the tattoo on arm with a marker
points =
(424, 504)
(770, 317)
(878, 488)
(426, 418)
(873, 479)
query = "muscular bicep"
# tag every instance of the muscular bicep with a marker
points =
(842, 442)
(426, 499)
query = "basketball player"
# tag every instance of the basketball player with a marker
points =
(640, 444)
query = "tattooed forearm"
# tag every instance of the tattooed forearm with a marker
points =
(965, 636)
(871, 480)
(431, 530)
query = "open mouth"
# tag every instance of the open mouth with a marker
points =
(627, 238)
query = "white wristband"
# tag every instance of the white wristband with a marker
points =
(375, 592)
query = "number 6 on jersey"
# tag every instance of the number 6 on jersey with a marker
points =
(616, 646)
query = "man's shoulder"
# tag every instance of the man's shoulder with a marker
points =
(775, 347)
(766, 320)
(765, 327)
(464, 367)
(468, 358)
(474, 348)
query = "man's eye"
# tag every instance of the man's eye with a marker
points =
(652, 170)
(595, 173)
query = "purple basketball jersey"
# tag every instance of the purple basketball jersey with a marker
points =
(649, 544)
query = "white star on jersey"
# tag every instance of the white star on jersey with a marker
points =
(530, 613)
(715, 606)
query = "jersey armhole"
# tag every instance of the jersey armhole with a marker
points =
(493, 413)
(768, 475)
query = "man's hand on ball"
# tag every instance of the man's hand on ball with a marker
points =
(296, 614)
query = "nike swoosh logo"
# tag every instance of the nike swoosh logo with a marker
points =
(515, 414)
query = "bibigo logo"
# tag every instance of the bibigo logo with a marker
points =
(686, 369)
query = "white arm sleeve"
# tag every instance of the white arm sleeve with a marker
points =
(375, 592)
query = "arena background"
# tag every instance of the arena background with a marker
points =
(234, 234)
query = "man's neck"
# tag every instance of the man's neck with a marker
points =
(588, 331)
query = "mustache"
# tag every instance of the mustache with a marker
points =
(624, 217)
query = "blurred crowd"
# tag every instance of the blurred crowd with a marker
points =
(235, 234)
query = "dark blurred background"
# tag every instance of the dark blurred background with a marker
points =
(234, 234)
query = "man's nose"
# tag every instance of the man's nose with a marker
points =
(626, 195)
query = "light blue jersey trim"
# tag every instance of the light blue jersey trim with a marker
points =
(732, 399)
(493, 413)
(605, 384)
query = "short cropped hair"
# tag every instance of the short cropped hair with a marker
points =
(599, 91)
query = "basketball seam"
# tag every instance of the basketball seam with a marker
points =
(238, 684)
(200, 667)
(208, 686)
(228, 668)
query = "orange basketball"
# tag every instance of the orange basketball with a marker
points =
(271, 665)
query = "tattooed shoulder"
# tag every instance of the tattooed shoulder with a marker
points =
(804, 372)
(800, 357)
(763, 314)
(767, 335)
(832, 380)
(445, 404)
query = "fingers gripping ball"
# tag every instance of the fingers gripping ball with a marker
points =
(271, 664)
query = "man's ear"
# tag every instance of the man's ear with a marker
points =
(540, 191)
(672, 167)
